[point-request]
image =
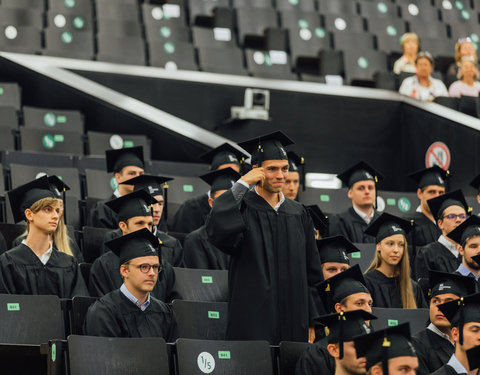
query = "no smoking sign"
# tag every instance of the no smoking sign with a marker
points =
(438, 154)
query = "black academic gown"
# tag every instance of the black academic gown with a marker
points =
(105, 277)
(24, 273)
(3, 244)
(424, 232)
(445, 370)
(200, 253)
(385, 292)
(114, 315)
(435, 257)
(191, 214)
(316, 360)
(351, 226)
(433, 351)
(172, 251)
(274, 267)
(101, 216)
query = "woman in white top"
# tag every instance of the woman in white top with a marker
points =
(422, 86)
(467, 84)
(406, 63)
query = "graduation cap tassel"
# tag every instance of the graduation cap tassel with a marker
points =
(165, 201)
(341, 317)
(462, 319)
(385, 348)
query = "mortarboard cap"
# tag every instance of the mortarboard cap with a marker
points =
(469, 228)
(473, 357)
(130, 205)
(26, 195)
(430, 176)
(345, 326)
(340, 286)
(380, 346)
(461, 311)
(294, 162)
(444, 282)
(153, 185)
(320, 221)
(359, 172)
(119, 159)
(57, 186)
(475, 183)
(439, 204)
(222, 179)
(267, 147)
(223, 154)
(137, 244)
(335, 249)
(387, 225)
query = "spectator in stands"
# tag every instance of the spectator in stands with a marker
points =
(125, 163)
(463, 48)
(444, 287)
(261, 230)
(422, 85)
(406, 63)
(191, 214)
(464, 318)
(467, 84)
(320, 221)
(449, 210)
(467, 235)
(133, 212)
(388, 351)
(132, 310)
(172, 251)
(35, 266)
(294, 178)
(388, 277)
(199, 251)
(63, 240)
(333, 255)
(430, 184)
(361, 180)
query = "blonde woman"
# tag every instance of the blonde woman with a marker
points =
(464, 47)
(406, 63)
(467, 84)
(388, 277)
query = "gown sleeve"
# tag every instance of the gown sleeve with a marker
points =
(101, 321)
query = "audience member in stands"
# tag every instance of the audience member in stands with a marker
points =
(464, 317)
(294, 178)
(133, 211)
(475, 183)
(463, 48)
(467, 235)
(320, 221)
(450, 210)
(422, 85)
(444, 287)
(132, 310)
(63, 240)
(406, 63)
(199, 251)
(333, 255)
(36, 266)
(125, 163)
(467, 84)
(388, 351)
(274, 264)
(172, 251)
(388, 277)
(361, 180)
(192, 213)
(430, 184)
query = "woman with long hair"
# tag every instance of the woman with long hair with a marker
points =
(388, 277)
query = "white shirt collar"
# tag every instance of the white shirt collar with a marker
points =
(117, 193)
(456, 365)
(419, 209)
(432, 327)
(277, 206)
(450, 246)
(45, 257)
(363, 215)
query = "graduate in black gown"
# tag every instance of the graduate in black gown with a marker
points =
(132, 310)
(361, 180)
(450, 210)
(199, 251)
(388, 351)
(464, 317)
(320, 221)
(36, 266)
(430, 184)
(434, 344)
(133, 211)
(192, 213)
(388, 277)
(274, 264)
(125, 164)
(295, 178)
(333, 255)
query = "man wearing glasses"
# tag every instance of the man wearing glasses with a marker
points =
(131, 311)
(449, 210)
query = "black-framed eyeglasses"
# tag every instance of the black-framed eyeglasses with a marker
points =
(145, 267)
(454, 216)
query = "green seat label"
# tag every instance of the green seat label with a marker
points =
(188, 188)
(392, 322)
(356, 255)
(13, 306)
(207, 279)
(213, 315)
(224, 354)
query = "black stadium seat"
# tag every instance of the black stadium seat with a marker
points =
(22, 39)
(205, 37)
(8, 117)
(93, 242)
(262, 64)
(45, 118)
(99, 183)
(288, 355)
(70, 22)
(168, 13)
(167, 32)
(388, 317)
(77, 45)
(363, 64)
(364, 257)
(121, 49)
(254, 21)
(51, 140)
(204, 7)
(345, 22)
(99, 142)
(172, 55)
(253, 3)
(79, 310)
(340, 7)
(24, 4)
(117, 10)
(306, 5)
(349, 40)
(222, 60)
(202, 285)
(21, 17)
(377, 9)
(83, 7)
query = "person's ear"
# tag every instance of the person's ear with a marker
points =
(124, 271)
(29, 214)
(333, 350)
(210, 202)
(419, 193)
(118, 177)
(376, 370)
(350, 194)
(123, 227)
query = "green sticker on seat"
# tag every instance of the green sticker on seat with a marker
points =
(391, 201)
(404, 204)
(1, 90)
(459, 5)
(58, 138)
(49, 119)
(67, 37)
(69, 3)
(165, 31)
(465, 14)
(302, 24)
(61, 119)
(169, 48)
(213, 315)
(356, 255)
(391, 30)
(293, 2)
(128, 144)
(188, 188)
(207, 279)
(320, 33)
(78, 22)
(324, 198)
(362, 62)
(48, 141)
(13, 306)
(392, 322)
(54, 352)
(382, 8)
(225, 354)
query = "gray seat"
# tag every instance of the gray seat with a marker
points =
(44, 118)
(99, 142)
(51, 140)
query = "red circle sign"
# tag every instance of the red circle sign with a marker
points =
(438, 154)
